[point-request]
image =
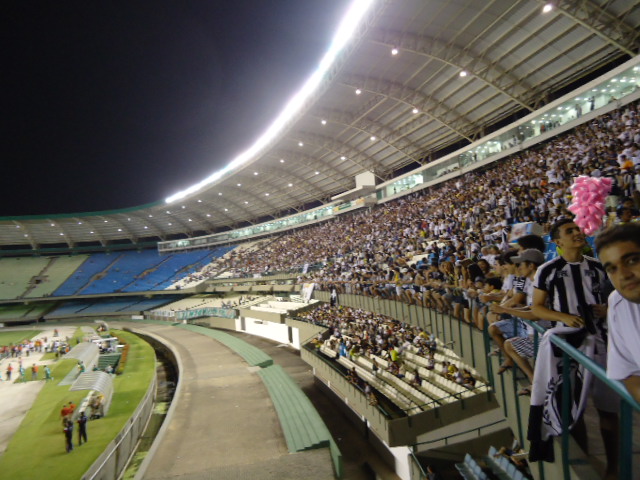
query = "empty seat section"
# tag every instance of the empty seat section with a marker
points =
(169, 269)
(120, 272)
(13, 312)
(129, 271)
(92, 266)
(55, 274)
(37, 310)
(68, 308)
(111, 305)
(194, 266)
(16, 273)
(149, 303)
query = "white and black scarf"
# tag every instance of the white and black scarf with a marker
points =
(545, 416)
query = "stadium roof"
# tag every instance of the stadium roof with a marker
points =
(416, 77)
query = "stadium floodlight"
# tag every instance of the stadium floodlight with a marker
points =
(346, 30)
(547, 8)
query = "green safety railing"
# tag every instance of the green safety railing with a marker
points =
(416, 468)
(627, 404)
(478, 430)
(569, 353)
(439, 323)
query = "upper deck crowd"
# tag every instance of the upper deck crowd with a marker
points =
(466, 218)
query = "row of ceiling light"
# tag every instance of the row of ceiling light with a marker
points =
(394, 51)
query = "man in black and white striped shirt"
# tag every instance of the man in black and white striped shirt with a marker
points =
(566, 286)
(572, 290)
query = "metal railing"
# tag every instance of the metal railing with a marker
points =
(477, 430)
(415, 467)
(450, 329)
(339, 370)
(627, 404)
(110, 465)
(411, 409)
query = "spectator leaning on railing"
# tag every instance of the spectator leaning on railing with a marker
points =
(520, 348)
(571, 290)
(619, 252)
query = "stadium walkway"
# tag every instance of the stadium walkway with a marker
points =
(356, 449)
(224, 425)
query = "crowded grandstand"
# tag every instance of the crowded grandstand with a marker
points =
(413, 295)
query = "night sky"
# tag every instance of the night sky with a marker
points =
(110, 105)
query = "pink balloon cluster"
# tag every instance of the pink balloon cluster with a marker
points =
(589, 197)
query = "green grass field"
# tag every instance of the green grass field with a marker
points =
(48, 356)
(15, 336)
(41, 429)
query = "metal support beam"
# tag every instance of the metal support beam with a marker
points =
(340, 148)
(431, 107)
(24, 227)
(65, 233)
(95, 231)
(338, 176)
(159, 231)
(461, 59)
(370, 127)
(601, 23)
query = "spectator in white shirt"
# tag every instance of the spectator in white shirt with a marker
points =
(619, 251)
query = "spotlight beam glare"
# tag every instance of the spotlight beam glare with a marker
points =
(344, 33)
